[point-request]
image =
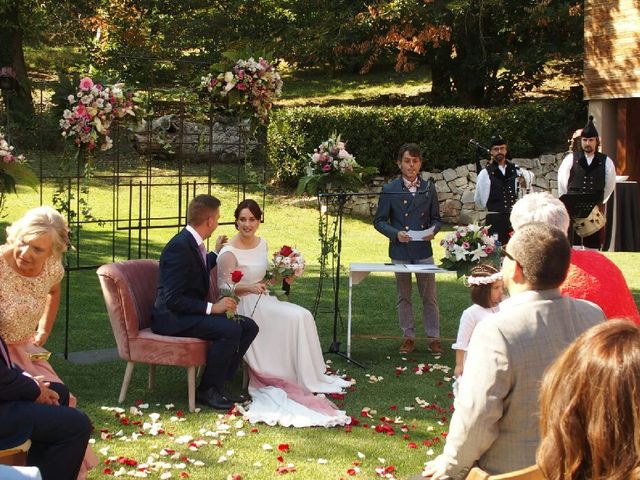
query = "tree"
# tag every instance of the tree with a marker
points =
(478, 51)
(33, 22)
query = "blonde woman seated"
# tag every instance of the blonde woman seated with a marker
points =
(590, 407)
(30, 274)
(285, 359)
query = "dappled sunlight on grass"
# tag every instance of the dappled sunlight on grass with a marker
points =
(303, 88)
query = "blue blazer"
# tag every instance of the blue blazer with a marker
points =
(181, 300)
(17, 392)
(399, 209)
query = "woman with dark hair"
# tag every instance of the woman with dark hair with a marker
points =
(590, 407)
(285, 360)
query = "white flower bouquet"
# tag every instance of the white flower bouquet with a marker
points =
(467, 246)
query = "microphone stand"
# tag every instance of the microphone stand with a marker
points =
(341, 199)
(477, 149)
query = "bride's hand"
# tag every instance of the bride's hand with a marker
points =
(258, 288)
(290, 279)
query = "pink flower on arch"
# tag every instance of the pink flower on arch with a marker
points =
(86, 83)
(326, 167)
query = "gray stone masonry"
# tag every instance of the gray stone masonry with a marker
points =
(456, 188)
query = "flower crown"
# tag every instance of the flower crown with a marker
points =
(471, 280)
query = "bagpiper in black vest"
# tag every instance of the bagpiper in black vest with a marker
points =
(585, 178)
(503, 193)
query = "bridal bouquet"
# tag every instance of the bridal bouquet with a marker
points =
(467, 246)
(286, 262)
(331, 163)
(14, 170)
(252, 82)
(92, 111)
(236, 276)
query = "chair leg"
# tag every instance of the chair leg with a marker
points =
(191, 387)
(128, 373)
(152, 376)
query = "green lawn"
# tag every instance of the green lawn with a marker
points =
(313, 87)
(411, 411)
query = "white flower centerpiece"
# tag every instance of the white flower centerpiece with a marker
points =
(468, 246)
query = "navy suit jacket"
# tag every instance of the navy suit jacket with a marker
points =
(16, 390)
(181, 300)
(399, 209)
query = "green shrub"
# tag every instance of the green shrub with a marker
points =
(374, 134)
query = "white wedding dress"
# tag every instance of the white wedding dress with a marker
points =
(285, 360)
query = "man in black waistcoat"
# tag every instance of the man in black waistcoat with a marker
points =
(587, 171)
(496, 189)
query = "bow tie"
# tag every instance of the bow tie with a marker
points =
(414, 184)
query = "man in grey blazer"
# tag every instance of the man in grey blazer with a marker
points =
(495, 421)
(410, 204)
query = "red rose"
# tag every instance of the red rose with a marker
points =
(236, 276)
(286, 250)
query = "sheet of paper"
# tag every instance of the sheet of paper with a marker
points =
(418, 235)
(416, 267)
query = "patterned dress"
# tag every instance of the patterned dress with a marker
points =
(22, 304)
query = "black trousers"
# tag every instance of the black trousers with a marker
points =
(499, 223)
(59, 434)
(230, 338)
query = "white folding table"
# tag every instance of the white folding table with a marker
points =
(359, 271)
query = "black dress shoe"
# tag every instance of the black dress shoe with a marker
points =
(213, 398)
(234, 398)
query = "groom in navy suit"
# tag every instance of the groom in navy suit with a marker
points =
(181, 308)
(410, 203)
(32, 409)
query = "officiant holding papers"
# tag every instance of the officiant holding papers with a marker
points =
(409, 215)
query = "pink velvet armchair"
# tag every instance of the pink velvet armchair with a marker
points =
(129, 290)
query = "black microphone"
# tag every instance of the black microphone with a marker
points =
(478, 146)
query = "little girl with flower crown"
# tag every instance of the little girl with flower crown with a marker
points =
(485, 282)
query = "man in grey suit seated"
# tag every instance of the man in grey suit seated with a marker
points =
(495, 421)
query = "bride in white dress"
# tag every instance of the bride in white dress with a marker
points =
(285, 360)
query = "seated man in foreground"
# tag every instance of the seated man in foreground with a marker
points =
(495, 421)
(32, 409)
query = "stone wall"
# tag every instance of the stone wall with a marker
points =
(456, 187)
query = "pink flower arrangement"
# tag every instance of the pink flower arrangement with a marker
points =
(254, 83)
(92, 111)
(331, 156)
(331, 164)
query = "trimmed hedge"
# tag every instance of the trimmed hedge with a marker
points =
(374, 134)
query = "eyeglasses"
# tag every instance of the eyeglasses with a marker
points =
(504, 253)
